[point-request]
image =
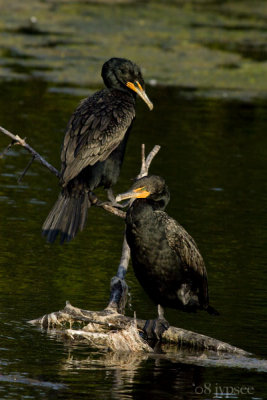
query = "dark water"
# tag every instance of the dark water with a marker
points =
(214, 158)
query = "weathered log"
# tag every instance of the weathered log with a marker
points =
(100, 328)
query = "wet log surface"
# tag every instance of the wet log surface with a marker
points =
(114, 331)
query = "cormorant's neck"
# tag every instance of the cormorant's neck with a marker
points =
(159, 201)
(140, 210)
(125, 90)
(157, 205)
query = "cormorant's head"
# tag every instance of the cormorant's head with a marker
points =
(124, 74)
(151, 187)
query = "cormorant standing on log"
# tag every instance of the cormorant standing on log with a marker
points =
(94, 146)
(165, 258)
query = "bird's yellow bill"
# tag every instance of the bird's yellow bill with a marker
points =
(139, 193)
(141, 92)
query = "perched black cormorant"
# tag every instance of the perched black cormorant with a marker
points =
(165, 258)
(94, 146)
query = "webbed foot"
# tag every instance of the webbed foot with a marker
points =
(154, 328)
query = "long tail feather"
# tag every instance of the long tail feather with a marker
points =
(67, 217)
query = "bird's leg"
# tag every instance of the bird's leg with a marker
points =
(160, 312)
(154, 328)
(112, 200)
(93, 199)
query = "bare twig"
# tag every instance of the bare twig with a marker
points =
(18, 140)
(124, 261)
(113, 210)
(143, 161)
(118, 286)
(26, 169)
(5, 151)
(148, 160)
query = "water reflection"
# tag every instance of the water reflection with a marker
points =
(170, 372)
(134, 374)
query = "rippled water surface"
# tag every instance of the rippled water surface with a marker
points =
(213, 157)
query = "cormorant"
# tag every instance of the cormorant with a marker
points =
(94, 146)
(165, 258)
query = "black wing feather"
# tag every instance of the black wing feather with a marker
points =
(185, 246)
(95, 129)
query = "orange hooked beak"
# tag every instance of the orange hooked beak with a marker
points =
(139, 193)
(137, 88)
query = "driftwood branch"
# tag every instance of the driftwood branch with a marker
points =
(118, 286)
(147, 161)
(17, 140)
(115, 331)
(113, 210)
(110, 328)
